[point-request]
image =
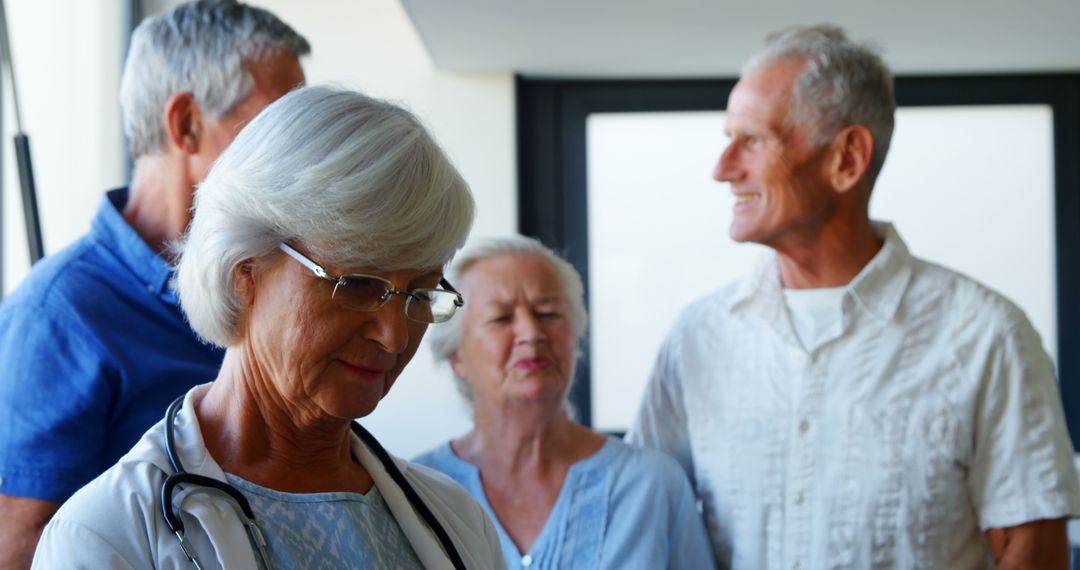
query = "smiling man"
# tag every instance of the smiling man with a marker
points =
(92, 344)
(848, 403)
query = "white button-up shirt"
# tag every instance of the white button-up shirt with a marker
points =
(927, 415)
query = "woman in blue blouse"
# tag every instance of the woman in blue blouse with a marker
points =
(561, 495)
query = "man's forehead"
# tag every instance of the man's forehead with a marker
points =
(762, 98)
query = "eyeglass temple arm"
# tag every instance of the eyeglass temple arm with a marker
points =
(319, 271)
(314, 267)
(460, 301)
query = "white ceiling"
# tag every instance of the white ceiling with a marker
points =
(701, 38)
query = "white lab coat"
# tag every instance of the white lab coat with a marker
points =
(116, 520)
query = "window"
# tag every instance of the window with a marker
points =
(981, 177)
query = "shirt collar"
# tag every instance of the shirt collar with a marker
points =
(760, 295)
(112, 229)
(878, 288)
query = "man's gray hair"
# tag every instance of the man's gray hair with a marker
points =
(200, 47)
(445, 338)
(845, 83)
(356, 181)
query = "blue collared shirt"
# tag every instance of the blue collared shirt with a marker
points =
(93, 347)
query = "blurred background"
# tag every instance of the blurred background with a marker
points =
(595, 125)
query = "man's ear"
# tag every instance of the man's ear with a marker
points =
(183, 122)
(851, 151)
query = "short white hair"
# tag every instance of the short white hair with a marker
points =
(199, 47)
(845, 83)
(445, 338)
(356, 181)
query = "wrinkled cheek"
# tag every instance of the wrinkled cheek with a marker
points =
(416, 334)
(784, 200)
(305, 353)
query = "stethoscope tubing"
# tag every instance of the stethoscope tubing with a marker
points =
(410, 493)
(182, 477)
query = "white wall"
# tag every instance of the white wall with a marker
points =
(697, 38)
(68, 60)
(371, 45)
(66, 56)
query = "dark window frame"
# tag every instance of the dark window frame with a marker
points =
(552, 178)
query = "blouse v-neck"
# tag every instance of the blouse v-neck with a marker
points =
(583, 495)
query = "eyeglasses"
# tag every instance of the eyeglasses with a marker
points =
(369, 293)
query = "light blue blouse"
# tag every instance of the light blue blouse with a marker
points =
(623, 507)
(328, 530)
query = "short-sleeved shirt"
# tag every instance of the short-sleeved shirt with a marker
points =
(928, 414)
(622, 507)
(328, 530)
(93, 347)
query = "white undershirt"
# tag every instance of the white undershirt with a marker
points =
(814, 312)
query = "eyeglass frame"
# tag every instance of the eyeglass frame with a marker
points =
(388, 293)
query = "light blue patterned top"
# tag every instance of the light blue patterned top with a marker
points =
(328, 530)
(623, 507)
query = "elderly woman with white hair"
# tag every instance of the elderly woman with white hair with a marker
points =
(561, 495)
(316, 258)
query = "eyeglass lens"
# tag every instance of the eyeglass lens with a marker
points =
(368, 294)
(360, 293)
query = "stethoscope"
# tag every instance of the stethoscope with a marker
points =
(182, 477)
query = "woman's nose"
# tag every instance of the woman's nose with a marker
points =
(527, 328)
(390, 327)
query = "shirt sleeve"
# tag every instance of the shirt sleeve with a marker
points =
(690, 547)
(66, 544)
(1022, 467)
(661, 421)
(54, 404)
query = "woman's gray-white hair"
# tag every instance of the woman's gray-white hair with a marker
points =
(199, 47)
(356, 181)
(445, 338)
(845, 83)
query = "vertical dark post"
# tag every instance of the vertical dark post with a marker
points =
(22, 151)
(29, 197)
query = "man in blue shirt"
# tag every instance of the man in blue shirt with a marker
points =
(93, 345)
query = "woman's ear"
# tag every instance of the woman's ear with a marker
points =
(852, 150)
(244, 278)
(455, 365)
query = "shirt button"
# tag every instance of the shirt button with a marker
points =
(150, 288)
(804, 426)
(526, 561)
(795, 566)
(799, 499)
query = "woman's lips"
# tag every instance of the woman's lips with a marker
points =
(532, 364)
(361, 372)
